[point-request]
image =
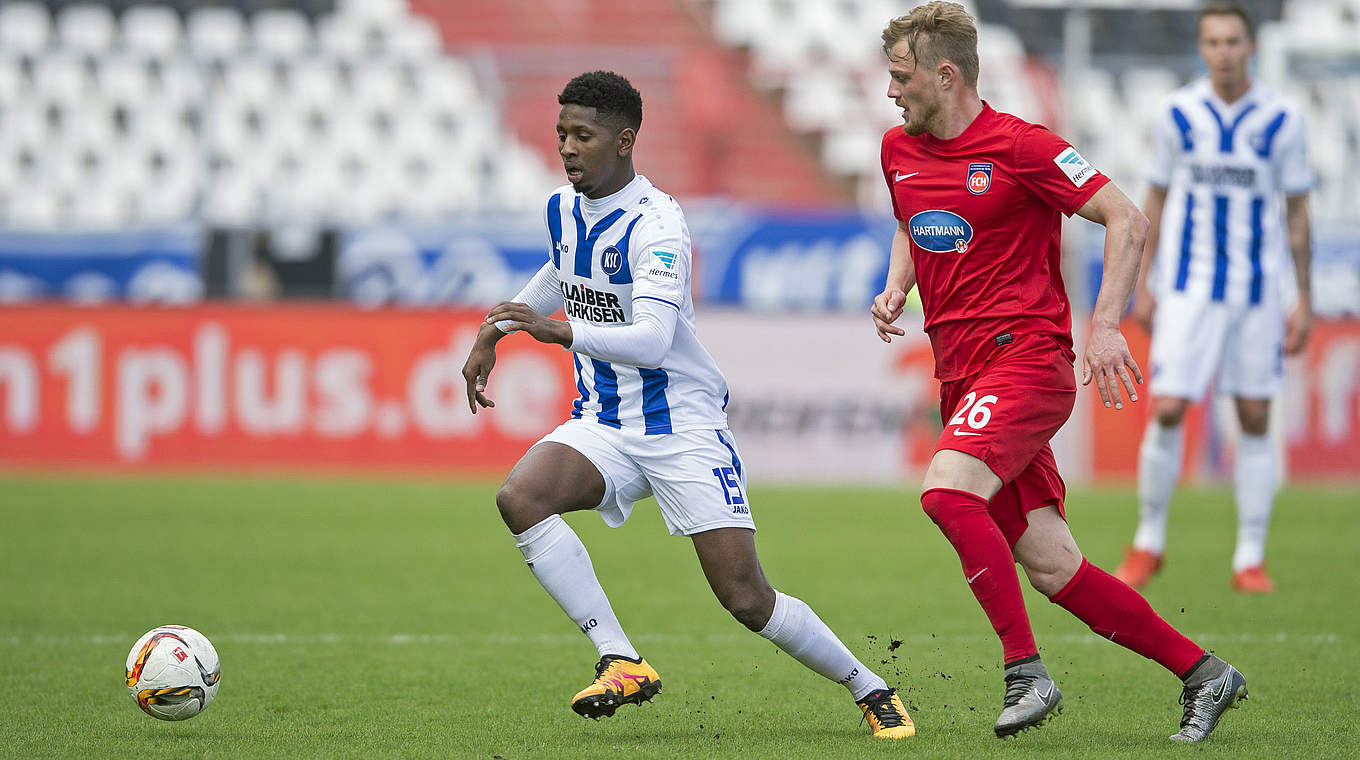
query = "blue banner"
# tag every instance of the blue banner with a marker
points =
(790, 260)
(158, 265)
(474, 262)
(769, 260)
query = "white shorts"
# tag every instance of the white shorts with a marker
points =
(697, 476)
(1195, 342)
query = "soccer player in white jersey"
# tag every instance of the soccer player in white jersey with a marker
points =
(650, 419)
(1219, 300)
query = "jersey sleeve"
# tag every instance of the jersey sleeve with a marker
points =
(644, 343)
(542, 293)
(660, 258)
(1166, 141)
(1053, 170)
(1296, 176)
(885, 159)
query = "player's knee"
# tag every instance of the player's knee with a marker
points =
(1170, 415)
(749, 604)
(1254, 422)
(518, 507)
(1048, 577)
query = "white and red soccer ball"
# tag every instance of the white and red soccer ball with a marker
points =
(172, 672)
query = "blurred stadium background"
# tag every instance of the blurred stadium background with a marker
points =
(259, 234)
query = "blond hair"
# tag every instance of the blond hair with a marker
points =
(935, 32)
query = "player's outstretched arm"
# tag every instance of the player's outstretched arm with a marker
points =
(1107, 359)
(901, 279)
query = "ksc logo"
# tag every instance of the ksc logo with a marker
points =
(940, 231)
(611, 261)
(979, 177)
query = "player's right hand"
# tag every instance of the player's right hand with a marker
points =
(475, 373)
(886, 309)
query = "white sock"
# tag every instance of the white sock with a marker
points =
(559, 561)
(1159, 467)
(797, 630)
(1254, 482)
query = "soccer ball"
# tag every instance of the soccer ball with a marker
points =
(172, 672)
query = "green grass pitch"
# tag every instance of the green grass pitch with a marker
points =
(395, 619)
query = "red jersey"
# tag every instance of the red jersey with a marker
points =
(982, 214)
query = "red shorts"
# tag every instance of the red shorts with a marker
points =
(1005, 415)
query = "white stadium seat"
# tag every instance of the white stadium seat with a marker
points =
(314, 82)
(231, 200)
(373, 11)
(144, 120)
(152, 29)
(25, 28)
(96, 206)
(343, 37)
(61, 78)
(215, 32)
(281, 33)
(182, 81)
(445, 82)
(123, 78)
(413, 38)
(13, 81)
(39, 208)
(252, 80)
(380, 85)
(86, 28)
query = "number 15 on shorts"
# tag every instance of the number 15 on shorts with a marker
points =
(727, 478)
(974, 412)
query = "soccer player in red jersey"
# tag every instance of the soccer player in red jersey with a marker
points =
(978, 195)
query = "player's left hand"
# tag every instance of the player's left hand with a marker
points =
(1296, 328)
(1107, 358)
(521, 317)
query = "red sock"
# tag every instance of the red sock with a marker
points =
(987, 565)
(1123, 616)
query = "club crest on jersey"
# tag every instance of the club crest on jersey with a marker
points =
(940, 231)
(611, 261)
(979, 177)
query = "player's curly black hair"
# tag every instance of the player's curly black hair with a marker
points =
(617, 104)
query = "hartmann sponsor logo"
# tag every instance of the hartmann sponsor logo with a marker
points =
(940, 231)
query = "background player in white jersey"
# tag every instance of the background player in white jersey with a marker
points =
(650, 419)
(1218, 300)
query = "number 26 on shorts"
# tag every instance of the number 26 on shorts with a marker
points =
(974, 412)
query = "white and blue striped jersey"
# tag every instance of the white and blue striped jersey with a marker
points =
(608, 254)
(1224, 167)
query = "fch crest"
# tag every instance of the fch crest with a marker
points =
(979, 177)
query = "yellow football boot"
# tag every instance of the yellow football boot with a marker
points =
(618, 681)
(887, 717)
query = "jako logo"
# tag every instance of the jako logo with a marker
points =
(611, 261)
(940, 231)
